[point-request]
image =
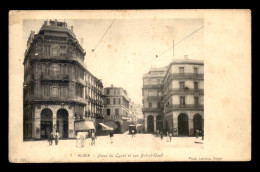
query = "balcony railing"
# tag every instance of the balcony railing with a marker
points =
(151, 109)
(113, 116)
(81, 81)
(154, 97)
(184, 91)
(158, 86)
(55, 77)
(186, 76)
(67, 56)
(57, 99)
(184, 107)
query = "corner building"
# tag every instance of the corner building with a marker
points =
(183, 99)
(116, 108)
(152, 99)
(56, 91)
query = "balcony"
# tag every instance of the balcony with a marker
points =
(34, 98)
(65, 57)
(186, 76)
(158, 86)
(54, 78)
(184, 107)
(184, 91)
(81, 81)
(151, 110)
(154, 98)
(113, 117)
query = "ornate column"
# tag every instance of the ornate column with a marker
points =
(54, 119)
(71, 119)
(175, 125)
(145, 123)
(191, 132)
(154, 124)
(36, 124)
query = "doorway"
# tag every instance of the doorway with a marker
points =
(46, 123)
(183, 125)
(62, 123)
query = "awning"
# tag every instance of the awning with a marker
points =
(84, 125)
(105, 127)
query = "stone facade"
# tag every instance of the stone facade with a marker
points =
(152, 99)
(116, 108)
(182, 101)
(58, 88)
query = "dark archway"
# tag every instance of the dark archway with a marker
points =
(150, 124)
(197, 123)
(62, 123)
(46, 123)
(159, 123)
(118, 127)
(183, 125)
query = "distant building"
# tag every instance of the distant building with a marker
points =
(180, 108)
(58, 88)
(116, 108)
(152, 99)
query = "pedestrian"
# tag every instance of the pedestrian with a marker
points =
(197, 133)
(49, 138)
(77, 139)
(133, 132)
(111, 137)
(167, 136)
(57, 135)
(93, 139)
(202, 135)
(161, 135)
(52, 137)
(170, 135)
(82, 139)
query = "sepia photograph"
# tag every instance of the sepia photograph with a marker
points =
(127, 86)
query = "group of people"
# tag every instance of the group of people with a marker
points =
(201, 133)
(81, 137)
(53, 136)
(168, 136)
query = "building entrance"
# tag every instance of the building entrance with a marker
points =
(62, 123)
(183, 126)
(118, 129)
(197, 123)
(150, 124)
(159, 123)
(46, 123)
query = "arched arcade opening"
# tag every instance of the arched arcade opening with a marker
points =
(150, 124)
(62, 123)
(46, 123)
(183, 125)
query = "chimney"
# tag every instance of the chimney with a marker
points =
(72, 28)
(112, 85)
(32, 33)
(185, 56)
(81, 41)
(45, 23)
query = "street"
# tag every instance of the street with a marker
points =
(123, 144)
(126, 141)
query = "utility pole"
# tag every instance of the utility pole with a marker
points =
(173, 49)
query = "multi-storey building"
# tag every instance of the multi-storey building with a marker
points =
(152, 99)
(183, 98)
(116, 108)
(58, 88)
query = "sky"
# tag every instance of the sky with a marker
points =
(129, 48)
